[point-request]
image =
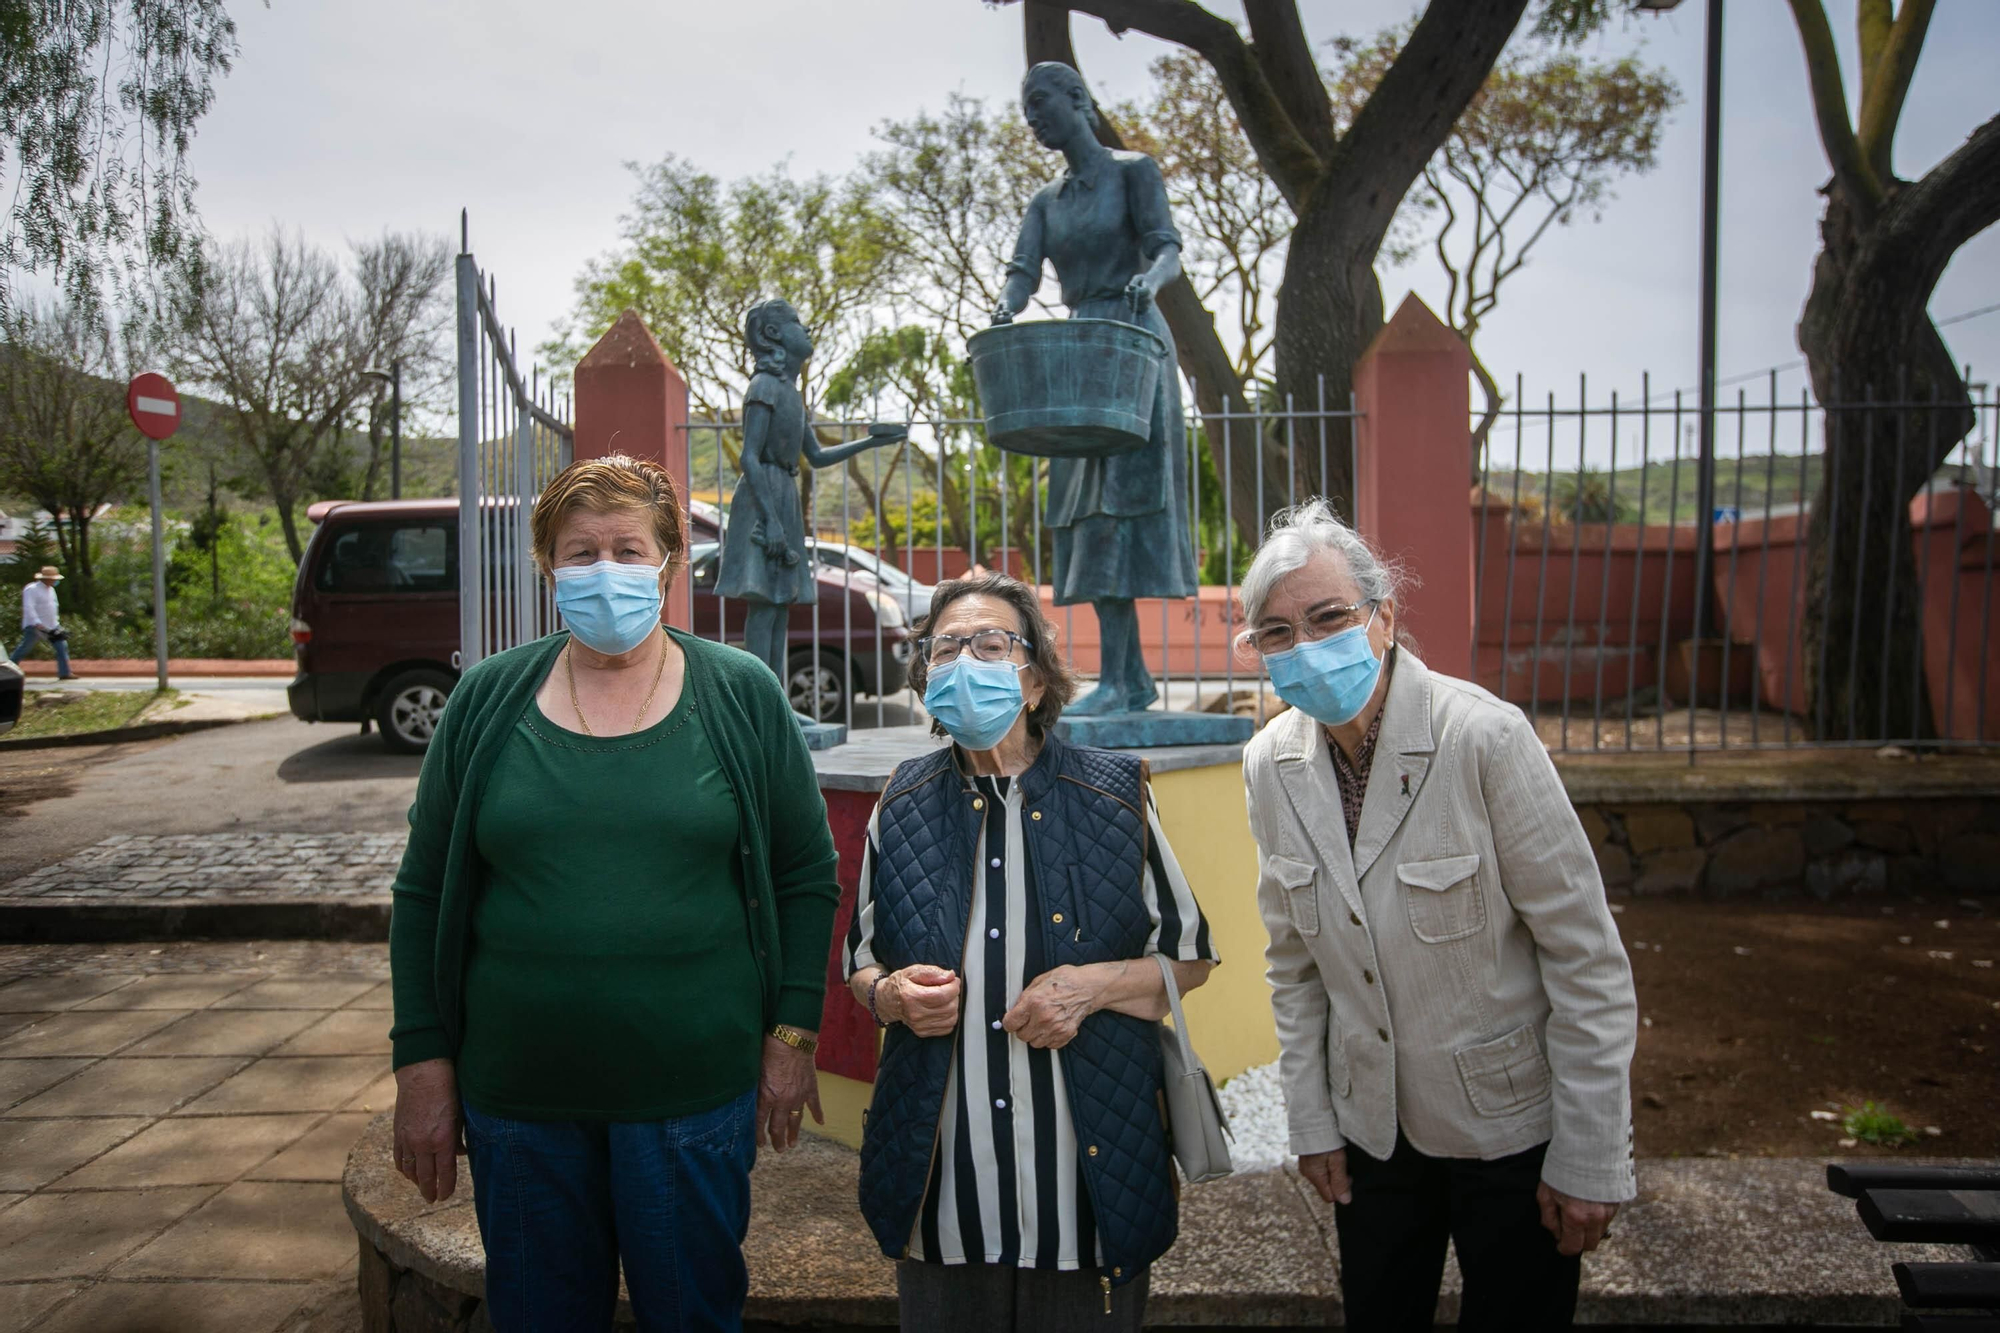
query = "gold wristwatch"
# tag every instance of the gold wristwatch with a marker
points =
(798, 1041)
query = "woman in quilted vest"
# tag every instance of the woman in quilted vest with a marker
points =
(1014, 891)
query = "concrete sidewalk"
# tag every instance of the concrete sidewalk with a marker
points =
(173, 1125)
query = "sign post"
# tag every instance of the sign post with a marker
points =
(155, 408)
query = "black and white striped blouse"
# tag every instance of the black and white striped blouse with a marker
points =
(1003, 1188)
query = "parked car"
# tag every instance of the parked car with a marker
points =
(706, 524)
(912, 596)
(375, 623)
(850, 654)
(13, 686)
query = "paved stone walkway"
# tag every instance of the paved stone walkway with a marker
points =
(197, 866)
(173, 1124)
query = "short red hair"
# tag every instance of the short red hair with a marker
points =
(604, 486)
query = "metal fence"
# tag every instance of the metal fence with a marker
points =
(1603, 607)
(514, 434)
(980, 508)
(1616, 618)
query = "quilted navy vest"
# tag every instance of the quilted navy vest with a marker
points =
(1084, 816)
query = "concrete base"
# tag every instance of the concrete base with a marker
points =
(1153, 729)
(821, 735)
(1708, 1242)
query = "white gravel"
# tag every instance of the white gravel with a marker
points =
(1255, 1103)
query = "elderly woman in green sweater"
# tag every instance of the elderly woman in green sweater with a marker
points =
(610, 935)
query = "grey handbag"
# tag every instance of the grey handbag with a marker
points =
(1195, 1117)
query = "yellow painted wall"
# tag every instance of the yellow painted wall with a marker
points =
(1202, 812)
(1203, 815)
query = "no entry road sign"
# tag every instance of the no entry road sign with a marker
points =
(154, 405)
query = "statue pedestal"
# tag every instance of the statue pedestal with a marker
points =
(821, 735)
(1152, 728)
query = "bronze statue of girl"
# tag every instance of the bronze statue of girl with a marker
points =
(1120, 523)
(764, 559)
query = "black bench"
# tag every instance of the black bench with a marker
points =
(1945, 1205)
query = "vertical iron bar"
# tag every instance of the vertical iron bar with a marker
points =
(1726, 600)
(468, 460)
(1667, 588)
(1918, 687)
(1324, 488)
(1513, 541)
(1861, 554)
(1575, 549)
(1229, 571)
(1479, 564)
(1795, 601)
(1830, 472)
(1542, 571)
(1195, 437)
(1763, 566)
(1992, 407)
(1639, 552)
(1895, 547)
(1604, 584)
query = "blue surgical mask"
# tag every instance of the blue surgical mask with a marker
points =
(975, 701)
(609, 607)
(1329, 680)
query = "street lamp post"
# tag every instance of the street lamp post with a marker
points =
(393, 377)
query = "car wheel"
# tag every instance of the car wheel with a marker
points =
(409, 707)
(804, 669)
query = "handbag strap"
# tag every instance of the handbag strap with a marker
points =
(1189, 1060)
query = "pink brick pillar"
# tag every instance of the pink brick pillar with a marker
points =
(1414, 459)
(631, 400)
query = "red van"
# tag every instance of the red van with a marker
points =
(375, 622)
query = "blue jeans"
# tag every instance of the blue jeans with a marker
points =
(562, 1202)
(34, 634)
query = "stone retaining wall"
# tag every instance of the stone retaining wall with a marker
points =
(1828, 848)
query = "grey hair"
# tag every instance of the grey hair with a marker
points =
(1299, 533)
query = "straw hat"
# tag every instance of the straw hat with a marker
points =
(49, 572)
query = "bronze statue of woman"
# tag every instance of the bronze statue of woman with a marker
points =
(764, 560)
(1120, 522)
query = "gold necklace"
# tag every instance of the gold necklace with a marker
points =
(569, 671)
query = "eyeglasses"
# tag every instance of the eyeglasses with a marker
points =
(1321, 622)
(987, 645)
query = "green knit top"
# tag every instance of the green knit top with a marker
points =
(785, 854)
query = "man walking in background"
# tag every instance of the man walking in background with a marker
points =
(38, 620)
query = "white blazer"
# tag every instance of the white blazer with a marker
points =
(1458, 974)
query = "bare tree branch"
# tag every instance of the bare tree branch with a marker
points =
(1829, 98)
(1953, 202)
(1278, 40)
(1886, 79)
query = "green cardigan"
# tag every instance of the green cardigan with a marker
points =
(788, 853)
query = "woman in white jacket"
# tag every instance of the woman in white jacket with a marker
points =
(1454, 1007)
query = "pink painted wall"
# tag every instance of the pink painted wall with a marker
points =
(630, 399)
(1759, 591)
(1415, 445)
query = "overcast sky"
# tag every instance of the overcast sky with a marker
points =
(343, 119)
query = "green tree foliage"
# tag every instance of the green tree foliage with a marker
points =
(953, 188)
(99, 101)
(65, 439)
(697, 252)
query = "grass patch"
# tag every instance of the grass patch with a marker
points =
(1874, 1124)
(74, 712)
